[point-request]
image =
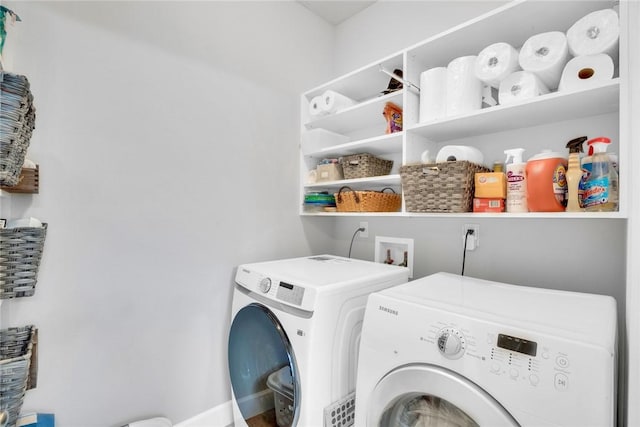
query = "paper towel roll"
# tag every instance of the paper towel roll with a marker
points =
(333, 101)
(597, 32)
(450, 153)
(315, 107)
(520, 86)
(432, 94)
(496, 62)
(463, 88)
(586, 71)
(545, 54)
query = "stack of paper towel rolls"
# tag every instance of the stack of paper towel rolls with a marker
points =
(450, 91)
(583, 56)
(328, 103)
(593, 41)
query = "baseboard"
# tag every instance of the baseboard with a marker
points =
(219, 416)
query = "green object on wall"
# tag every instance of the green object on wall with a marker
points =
(4, 14)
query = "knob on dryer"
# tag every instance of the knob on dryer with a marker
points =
(265, 285)
(451, 343)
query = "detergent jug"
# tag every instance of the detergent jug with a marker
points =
(546, 182)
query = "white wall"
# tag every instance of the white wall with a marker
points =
(391, 25)
(167, 136)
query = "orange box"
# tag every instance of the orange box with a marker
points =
(490, 185)
(488, 205)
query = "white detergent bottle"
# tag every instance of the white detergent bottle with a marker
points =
(516, 181)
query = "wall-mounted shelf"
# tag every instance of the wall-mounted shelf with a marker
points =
(544, 122)
(29, 182)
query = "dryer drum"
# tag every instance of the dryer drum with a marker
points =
(258, 347)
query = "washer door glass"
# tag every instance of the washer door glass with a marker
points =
(431, 396)
(262, 368)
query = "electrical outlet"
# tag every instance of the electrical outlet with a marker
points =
(473, 240)
(364, 234)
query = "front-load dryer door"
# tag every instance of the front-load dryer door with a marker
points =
(429, 396)
(262, 369)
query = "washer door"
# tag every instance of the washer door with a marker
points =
(262, 368)
(427, 395)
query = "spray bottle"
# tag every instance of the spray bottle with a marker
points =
(601, 186)
(516, 181)
(574, 174)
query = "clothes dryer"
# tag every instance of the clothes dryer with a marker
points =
(448, 350)
(294, 338)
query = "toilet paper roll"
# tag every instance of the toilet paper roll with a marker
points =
(597, 32)
(450, 153)
(520, 86)
(315, 107)
(463, 88)
(432, 94)
(333, 101)
(545, 54)
(496, 62)
(586, 71)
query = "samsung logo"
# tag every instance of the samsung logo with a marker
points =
(388, 310)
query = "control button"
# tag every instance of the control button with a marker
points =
(562, 362)
(534, 379)
(495, 367)
(561, 382)
(451, 343)
(265, 285)
(513, 373)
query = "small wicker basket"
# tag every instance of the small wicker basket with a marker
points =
(349, 200)
(365, 165)
(439, 187)
(17, 121)
(21, 250)
(16, 351)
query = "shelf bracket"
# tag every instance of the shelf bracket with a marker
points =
(398, 78)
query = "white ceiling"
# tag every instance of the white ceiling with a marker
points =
(336, 11)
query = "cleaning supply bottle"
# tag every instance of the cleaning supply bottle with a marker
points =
(516, 181)
(601, 186)
(546, 182)
(574, 174)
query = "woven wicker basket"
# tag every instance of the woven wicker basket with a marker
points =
(17, 121)
(21, 251)
(348, 200)
(365, 165)
(439, 187)
(16, 346)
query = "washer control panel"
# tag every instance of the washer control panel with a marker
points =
(516, 359)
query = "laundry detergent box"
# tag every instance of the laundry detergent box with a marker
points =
(36, 420)
(490, 185)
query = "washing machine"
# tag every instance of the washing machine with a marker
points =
(294, 338)
(449, 350)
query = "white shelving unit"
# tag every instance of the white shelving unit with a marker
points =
(547, 121)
